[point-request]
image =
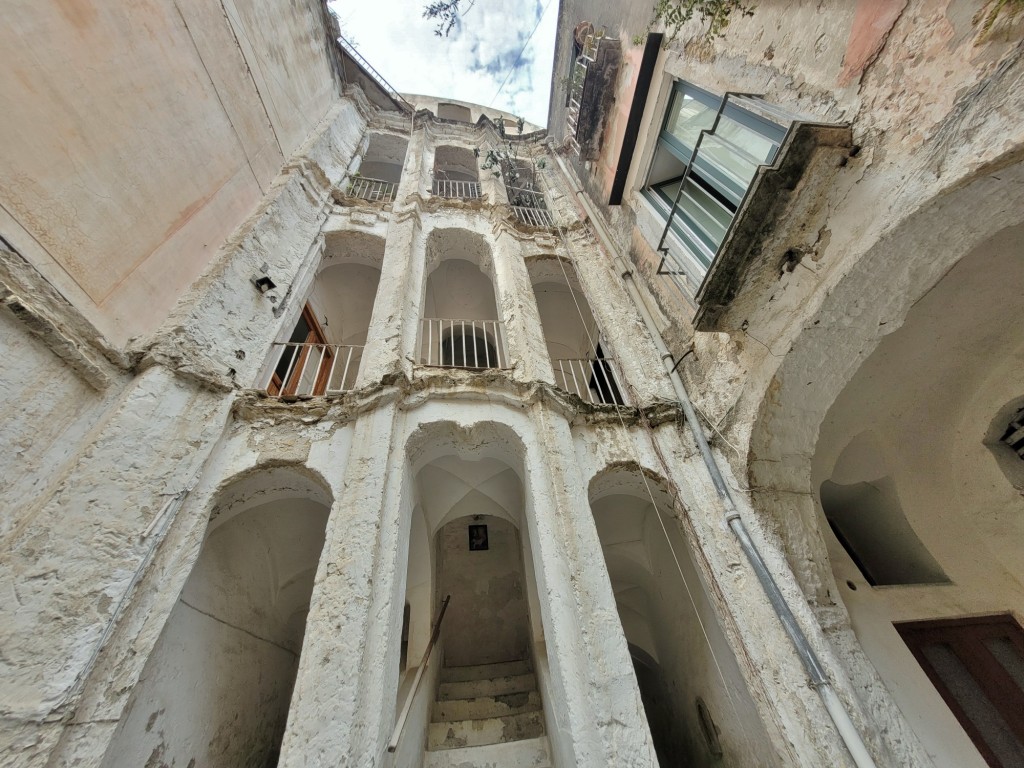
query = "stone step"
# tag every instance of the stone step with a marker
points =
(486, 706)
(485, 671)
(527, 753)
(495, 686)
(491, 730)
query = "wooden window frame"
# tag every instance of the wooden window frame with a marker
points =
(315, 336)
(966, 638)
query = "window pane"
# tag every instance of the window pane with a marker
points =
(737, 150)
(687, 117)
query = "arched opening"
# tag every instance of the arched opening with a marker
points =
(380, 169)
(216, 689)
(911, 454)
(686, 671)
(324, 349)
(461, 327)
(468, 544)
(455, 173)
(578, 357)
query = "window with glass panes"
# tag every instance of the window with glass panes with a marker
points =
(723, 168)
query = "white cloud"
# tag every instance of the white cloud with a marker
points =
(471, 63)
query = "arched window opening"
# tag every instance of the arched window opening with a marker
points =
(455, 173)
(380, 169)
(525, 194)
(571, 333)
(460, 327)
(323, 353)
(217, 686)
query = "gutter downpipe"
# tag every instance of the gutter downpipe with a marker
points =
(812, 664)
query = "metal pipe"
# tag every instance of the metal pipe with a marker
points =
(812, 664)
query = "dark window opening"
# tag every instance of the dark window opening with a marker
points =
(464, 350)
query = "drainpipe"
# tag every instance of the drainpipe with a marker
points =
(812, 664)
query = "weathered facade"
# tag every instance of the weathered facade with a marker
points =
(297, 377)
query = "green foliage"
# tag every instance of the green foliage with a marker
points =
(715, 15)
(446, 13)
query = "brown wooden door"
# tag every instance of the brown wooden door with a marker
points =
(977, 665)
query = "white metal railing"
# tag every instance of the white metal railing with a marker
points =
(374, 190)
(456, 189)
(592, 380)
(304, 370)
(474, 344)
(534, 217)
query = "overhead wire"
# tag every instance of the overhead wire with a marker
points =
(520, 56)
(647, 486)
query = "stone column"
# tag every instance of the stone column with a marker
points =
(341, 710)
(518, 307)
(592, 672)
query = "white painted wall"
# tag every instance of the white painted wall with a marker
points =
(217, 686)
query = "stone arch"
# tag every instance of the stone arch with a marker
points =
(918, 345)
(459, 301)
(216, 688)
(856, 314)
(667, 616)
(455, 163)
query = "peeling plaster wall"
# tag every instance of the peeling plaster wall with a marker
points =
(145, 136)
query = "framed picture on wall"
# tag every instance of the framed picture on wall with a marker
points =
(477, 538)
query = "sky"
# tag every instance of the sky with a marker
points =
(471, 63)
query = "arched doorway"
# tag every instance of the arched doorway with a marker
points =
(697, 704)
(216, 689)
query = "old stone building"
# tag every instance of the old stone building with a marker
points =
(353, 428)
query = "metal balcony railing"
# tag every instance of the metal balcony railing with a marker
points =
(373, 73)
(305, 370)
(457, 190)
(374, 190)
(593, 380)
(473, 344)
(534, 217)
(578, 79)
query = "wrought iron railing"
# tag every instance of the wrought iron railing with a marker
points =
(368, 68)
(374, 190)
(578, 79)
(593, 380)
(305, 370)
(474, 344)
(464, 190)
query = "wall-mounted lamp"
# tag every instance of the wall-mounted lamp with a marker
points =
(263, 283)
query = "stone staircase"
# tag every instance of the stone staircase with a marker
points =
(488, 716)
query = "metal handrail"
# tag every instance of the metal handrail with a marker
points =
(388, 88)
(374, 190)
(324, 379)
(594, 380)
(471, 344)
(454, 189)
(404, 714)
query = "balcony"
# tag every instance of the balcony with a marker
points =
(373, 190)
(593, 380)
(525, 195)
(312, 370)
(456, 190)
(470, 344)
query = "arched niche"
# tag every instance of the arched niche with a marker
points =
(938, 501)
(570, 330)
(456, 478)
(217, 686)
(669, 623)
(322, 352)
(917, 343)
(461, 325)
(384, 157)
(454, 163)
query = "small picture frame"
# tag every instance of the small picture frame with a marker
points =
(477, 538)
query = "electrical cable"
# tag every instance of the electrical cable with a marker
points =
(520, 56)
